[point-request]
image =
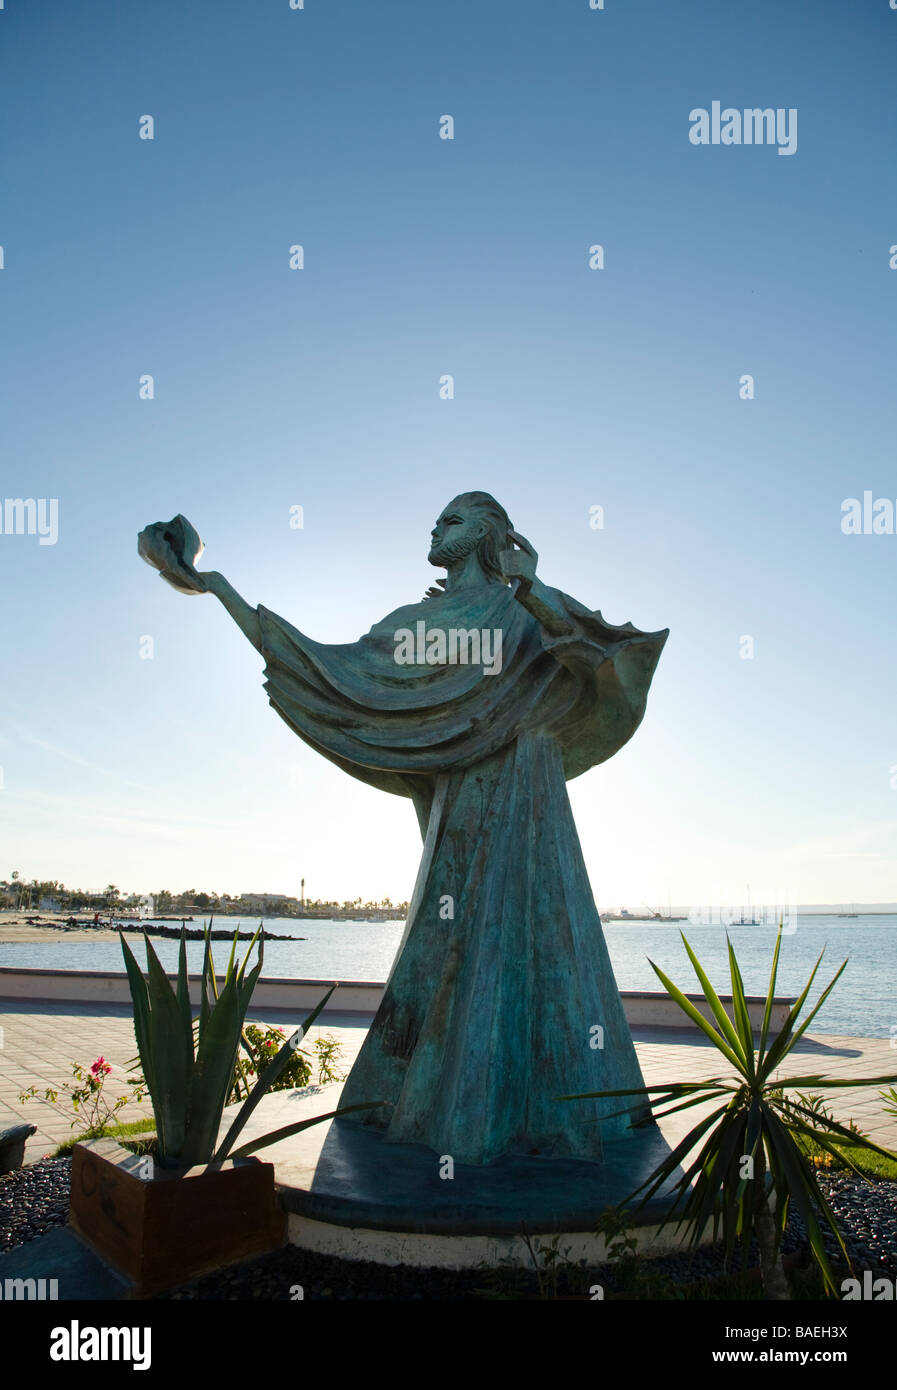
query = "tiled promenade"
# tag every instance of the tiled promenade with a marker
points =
(40, 1041)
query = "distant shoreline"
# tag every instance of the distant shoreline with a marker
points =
(15, 926)
(29, 927)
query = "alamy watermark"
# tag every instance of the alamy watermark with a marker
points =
(751, 126)
(760, 915)
(36, 1289)
(880, 1290)
(78, 1342)
(437, 646)
(27, 516)
(868, 517)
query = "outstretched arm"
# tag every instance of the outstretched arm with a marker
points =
(246, 618)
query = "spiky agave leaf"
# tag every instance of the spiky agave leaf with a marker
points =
(787, 1036)
(266, 1080)
(207, 984)
(172, 1047)
(742, 1017)
(794, 1175)
(143, 1029)
(719, 1041)
(288, 1130)
(719, 1013)
(217, 1049)
(183, 1000)
(213, 1074)
(770, 999)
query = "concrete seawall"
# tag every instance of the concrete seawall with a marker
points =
(643, 1008)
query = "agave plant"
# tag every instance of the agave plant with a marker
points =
(753, 1141)
(189, 1068)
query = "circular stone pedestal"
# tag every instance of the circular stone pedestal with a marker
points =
(405, 1204)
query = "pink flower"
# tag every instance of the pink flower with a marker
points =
(100, 1067)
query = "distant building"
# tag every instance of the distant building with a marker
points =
(259, 900)
(146, 907)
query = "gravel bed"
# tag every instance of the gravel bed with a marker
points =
(34, 1199)
(866, 1213)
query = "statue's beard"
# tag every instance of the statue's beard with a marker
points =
(450, 551)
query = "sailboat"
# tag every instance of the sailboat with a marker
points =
(750, 920)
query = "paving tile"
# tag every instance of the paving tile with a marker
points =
(41, 1040)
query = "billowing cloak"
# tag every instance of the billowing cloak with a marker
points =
(502, 929)
(398, 727)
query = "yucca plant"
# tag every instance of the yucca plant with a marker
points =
(189, 1067)
(751, 1150)
(889, 1100)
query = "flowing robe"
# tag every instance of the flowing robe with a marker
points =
(501, 996)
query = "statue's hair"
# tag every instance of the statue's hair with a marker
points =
(496, 538)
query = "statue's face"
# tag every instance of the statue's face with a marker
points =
(458, 531)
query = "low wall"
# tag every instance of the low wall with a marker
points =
(643, 1008)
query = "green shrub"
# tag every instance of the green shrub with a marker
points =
(262, 1044)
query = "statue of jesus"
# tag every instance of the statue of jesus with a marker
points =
(501, 996)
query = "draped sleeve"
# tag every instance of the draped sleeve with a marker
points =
(609, 671)
(397, 727)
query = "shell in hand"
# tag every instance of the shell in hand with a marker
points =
(172, 548)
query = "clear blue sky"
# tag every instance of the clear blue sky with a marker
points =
(573, 388)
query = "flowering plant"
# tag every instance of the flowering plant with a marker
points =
(262, 1045)
(93, 1109)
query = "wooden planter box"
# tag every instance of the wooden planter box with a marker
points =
(162, 1230)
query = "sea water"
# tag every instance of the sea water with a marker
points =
(863, 1003)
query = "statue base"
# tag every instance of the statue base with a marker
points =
(387, 1203)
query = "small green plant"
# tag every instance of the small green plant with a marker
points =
(93, 1109)
(551, 1271)
(329, 1050)
(503, 1280)
(621, 1245)
(261, 1045)
(633, 1273)
(752, 1143)
(552, 1265)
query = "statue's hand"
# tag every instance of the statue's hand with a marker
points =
(519, 563)
(189, 580)
(172, 548)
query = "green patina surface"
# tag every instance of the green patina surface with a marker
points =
(502, 995)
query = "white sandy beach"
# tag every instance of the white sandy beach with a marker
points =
(28, 926)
